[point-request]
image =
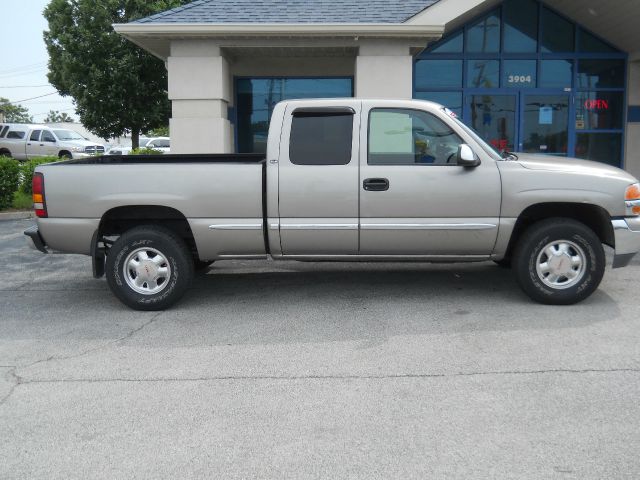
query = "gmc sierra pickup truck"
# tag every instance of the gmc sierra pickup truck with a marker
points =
(342, 180)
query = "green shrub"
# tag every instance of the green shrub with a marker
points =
(27, 171)
(9, 181)
(145, 151)
(22, 201)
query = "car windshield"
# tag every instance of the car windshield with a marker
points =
(68, 135)
(495, 154)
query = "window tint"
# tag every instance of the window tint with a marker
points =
(599, 110)
(589, 43)
(557, 33)
(321, 139)
(602, 147)
(601, 74)
(35, 135)
(15, 134)
(449, 45)
(484, 35)
(520, 25)
(438, 74)
(48, 136)
(409, 137)
(556, 74)
(3, 131)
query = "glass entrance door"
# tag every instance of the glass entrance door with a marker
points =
(544, 124)
(494, 117)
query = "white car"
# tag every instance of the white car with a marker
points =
(24, 142)
(162, 144)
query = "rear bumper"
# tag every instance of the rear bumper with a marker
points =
(627, 236)
(34, 239)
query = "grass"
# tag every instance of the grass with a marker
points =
(22, 201)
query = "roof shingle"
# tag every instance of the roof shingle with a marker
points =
(291, 11)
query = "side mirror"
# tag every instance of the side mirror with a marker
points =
(466, 157)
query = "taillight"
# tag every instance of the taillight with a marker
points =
(39, 202)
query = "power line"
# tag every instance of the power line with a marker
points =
(33, 98)
(24, 67)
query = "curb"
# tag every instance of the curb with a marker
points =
(23, 215)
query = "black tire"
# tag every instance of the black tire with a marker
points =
(174, 258)
(65, 156)
(579, 241)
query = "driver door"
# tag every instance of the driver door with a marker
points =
(414, 198)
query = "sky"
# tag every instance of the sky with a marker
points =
(23, 59)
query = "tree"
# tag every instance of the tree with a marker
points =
(55, 116)
(159, 132)
(14, 113)
(116, 86)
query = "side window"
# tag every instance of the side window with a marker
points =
(15, 134)
(319, 138)
(3, 131)
(409, 137)
(47, 136)
(35, 135)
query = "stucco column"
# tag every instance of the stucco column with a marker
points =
(384, 69)
(632, 133)
(200, 91)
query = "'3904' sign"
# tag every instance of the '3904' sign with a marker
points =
(519, 79)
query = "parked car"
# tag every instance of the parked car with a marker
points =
(342, 180)
(23, 142)
(162, 144)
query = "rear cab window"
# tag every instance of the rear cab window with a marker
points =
(321, 136)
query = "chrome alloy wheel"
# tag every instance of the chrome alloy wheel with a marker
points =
(561, 264)
(147, 271)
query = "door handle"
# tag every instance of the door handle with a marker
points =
(376, 184)
(42, 144)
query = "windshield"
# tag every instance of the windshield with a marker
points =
(68, 135)
(485, 146)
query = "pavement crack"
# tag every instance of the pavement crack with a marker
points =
(15, 380)
(332, 377)
(99, 347)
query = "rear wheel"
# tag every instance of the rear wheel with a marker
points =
(149, 268)
(559, 261)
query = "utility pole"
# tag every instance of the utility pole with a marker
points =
(1, 115)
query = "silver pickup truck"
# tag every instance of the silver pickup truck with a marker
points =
(342, 180)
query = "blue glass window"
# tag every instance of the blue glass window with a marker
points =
(519, 74)
(599, 110)
(558, 34)
(438, 74)
(600, 74)
(591, 44)
(520, 25)
(484, 35)
(256, 98)
(451, 100)
(601, 147)
(448, 45)
(483, 73)
(556, 74)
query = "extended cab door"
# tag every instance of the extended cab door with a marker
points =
(33, 148)
(414, 198)
(318, 178)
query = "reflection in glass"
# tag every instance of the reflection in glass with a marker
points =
(256, 98)
(601, 147)
(600, 74)
(520, 25)
(599, 110)
(484, 35)
(556, 74)
(519, 74)
(558, 34)
(546, 123)
(483, 73)
(493, 117)
(438, 74)
(451, 100)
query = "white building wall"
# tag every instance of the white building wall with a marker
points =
(384, 69)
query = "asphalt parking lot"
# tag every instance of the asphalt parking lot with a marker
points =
(296, 370)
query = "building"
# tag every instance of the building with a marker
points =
(548, 76)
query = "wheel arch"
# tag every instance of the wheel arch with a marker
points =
(593, 216)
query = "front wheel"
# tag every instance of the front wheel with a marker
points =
(149, 268)
(559, 261)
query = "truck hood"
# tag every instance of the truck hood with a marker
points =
(78, 143)
(572, 165)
